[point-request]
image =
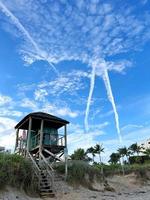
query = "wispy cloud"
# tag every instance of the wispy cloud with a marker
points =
(84, 31)
(40, 94)
(66, 83)
(37, 52)
(48, 107)
(132, 133)
(92, 83)
(104, 28)
(5, 100)
(77, 136)
(7, 107)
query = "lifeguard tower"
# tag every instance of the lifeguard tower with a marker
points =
(43, 138)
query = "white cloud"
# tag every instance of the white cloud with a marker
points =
(46, 106)
(67, 82)
(9, 112)
(77, 138)
(5, 100)
(29, 103)
(130, 127)
(7, 107)
(131, 134)
(40, 94)
(7, 132)
(59, 110)
(101, 28)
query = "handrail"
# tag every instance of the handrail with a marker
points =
(46, 161)
(35, 140)
(47, 170)
(35, 165)
(34, 162)
(52, 139)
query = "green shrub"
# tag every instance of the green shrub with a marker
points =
(80, 173)
(15, 171)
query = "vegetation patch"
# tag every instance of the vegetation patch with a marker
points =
(80, 173)
(16, 171)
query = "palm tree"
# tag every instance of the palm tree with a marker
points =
(80, 154)
(98, 150)
(147, 152)
(129, 153)
(91, 150)
(124, 152)
(135, 148)
(114, 158)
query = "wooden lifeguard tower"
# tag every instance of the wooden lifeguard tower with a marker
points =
(38, 138)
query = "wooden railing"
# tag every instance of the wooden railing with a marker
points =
(48, 139)
(35, 141)
(48, 169)
(36, 167)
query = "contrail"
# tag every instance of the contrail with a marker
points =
(18, 24)
(92, 83)
(106, 79)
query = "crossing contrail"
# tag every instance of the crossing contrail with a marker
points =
(19, 25)
(92, 83)
(107, 83)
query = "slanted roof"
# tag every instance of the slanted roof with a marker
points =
(51, 120)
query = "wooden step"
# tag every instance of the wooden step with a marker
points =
(45, 190)
(43, 194)
(45, 187)
(44, 183)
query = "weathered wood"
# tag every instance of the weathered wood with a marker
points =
(65, 133)
(53, 148)
(22, 123)
(41, 136)
(55, 156)
(46, 162)
(66, 153)
(33, 161)
(29, 134)
(17, 133)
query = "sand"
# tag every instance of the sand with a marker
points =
(125, 188)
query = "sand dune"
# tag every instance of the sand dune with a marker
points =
(123, 188)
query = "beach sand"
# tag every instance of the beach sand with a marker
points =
(123, 188)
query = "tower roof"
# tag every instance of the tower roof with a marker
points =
(56, 121)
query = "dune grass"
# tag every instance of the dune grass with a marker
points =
(16, 171)
(116, 169)
(81, 173)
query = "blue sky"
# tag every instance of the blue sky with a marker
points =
(85, 61)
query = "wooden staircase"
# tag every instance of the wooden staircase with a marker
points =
(49, 182)
(45, 186)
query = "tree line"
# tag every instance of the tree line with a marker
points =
(123, 154)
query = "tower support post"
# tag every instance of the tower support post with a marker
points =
(17, 134)
(29, 134)
(66, 153)
(41, 136)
